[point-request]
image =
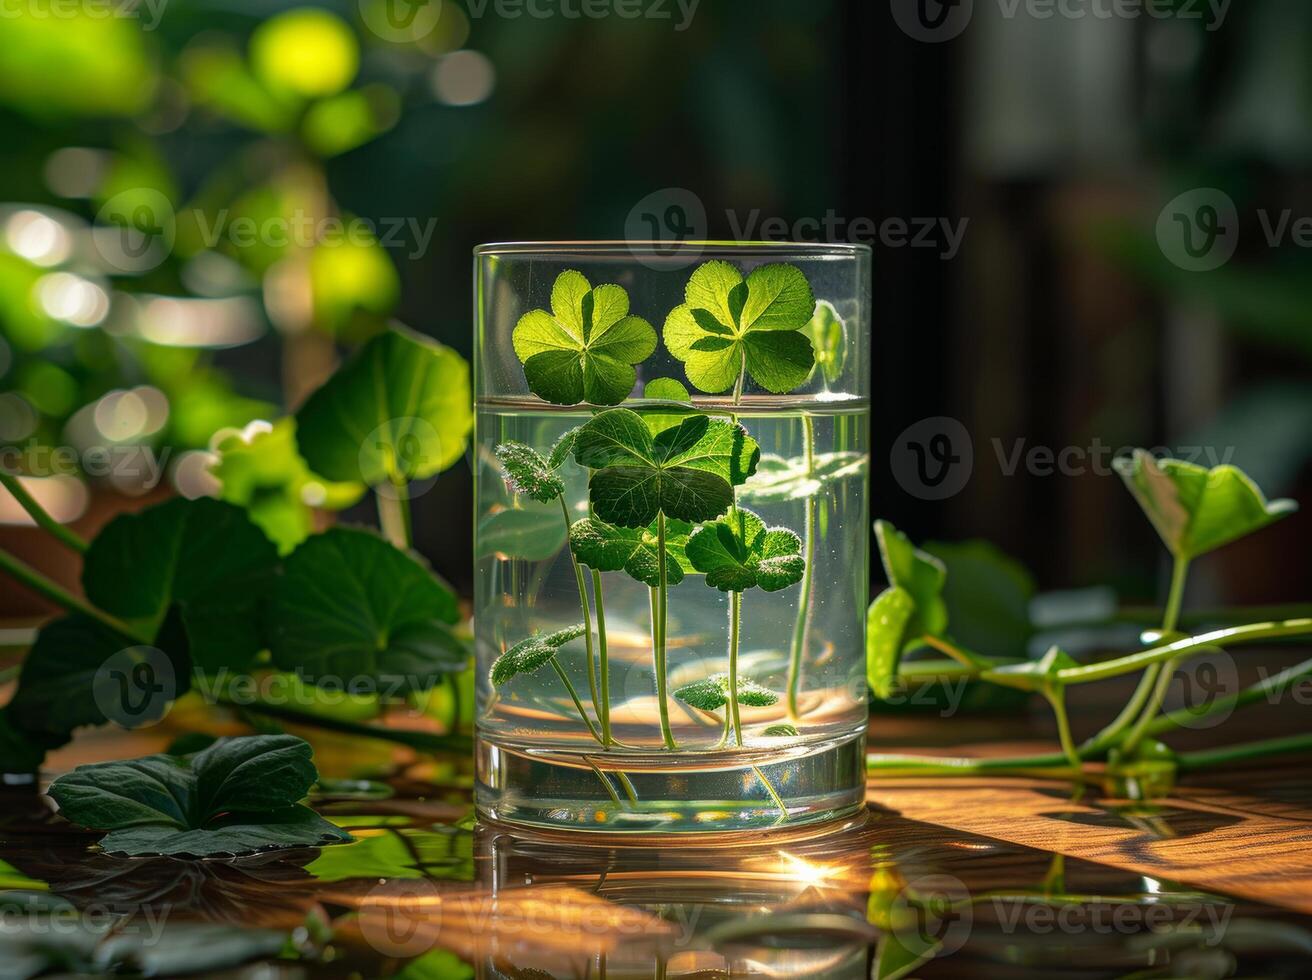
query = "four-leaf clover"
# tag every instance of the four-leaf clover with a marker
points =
(585, 348)
(738, 552)
(687, 472)
(729, 326)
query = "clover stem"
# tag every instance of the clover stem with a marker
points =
(659, 600)
(583, 604)
(603, 661)
(804, 597)
(735, 625)
(783, 810)
(574, 695)
(57, 594)
(738, 383)
(62, 534)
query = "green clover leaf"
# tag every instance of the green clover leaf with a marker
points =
(712, 693)
(729, 325)
(528, 655)
(585, 348)
(1196, 510)
(911, 607)
(687, 472)
(738, 552)
(528, 473)
(634, 550)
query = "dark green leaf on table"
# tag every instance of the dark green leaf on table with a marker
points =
(400, 410)
(350, 604)
(728, 324)
(238, 796)
(585, 348)
(738, 552)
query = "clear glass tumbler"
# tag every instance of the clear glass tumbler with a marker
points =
(672, 533)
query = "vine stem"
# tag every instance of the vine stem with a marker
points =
(659, 611)
(40, 515)
(1191, 761)
(57, 594)
(1057, 699)
(574, 696)
(1160, 684)
(583, 604)
(804, 597)
(420, 741)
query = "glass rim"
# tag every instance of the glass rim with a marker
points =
(620, 247)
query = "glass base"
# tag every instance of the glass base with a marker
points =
(685, 792)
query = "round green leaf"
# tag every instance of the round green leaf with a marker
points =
(349, 604)
(529, 533)
(738, 552)
(528, 655)
(400, 410)
(728, 324)
(608, 548)
(203, 555)
(585, 348)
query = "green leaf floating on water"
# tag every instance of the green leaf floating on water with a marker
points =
(633, 550)
(528, 655)
(528, 473)
(203, 556)
(738, 552)
(585, 348)
(400, 410)
(712, 693)
(260, 469)
(238, 796)
(828, 336)
(1196, 510)
(727, 323)
(688, 472)
(348, 603)
(779, 479)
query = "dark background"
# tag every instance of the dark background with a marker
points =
(1059, 139)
